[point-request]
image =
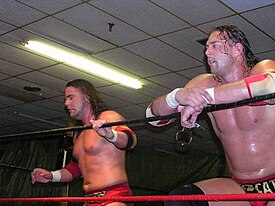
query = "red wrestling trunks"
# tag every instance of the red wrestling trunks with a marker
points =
(262, 185)
(118, 190)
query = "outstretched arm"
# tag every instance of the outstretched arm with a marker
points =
(43, 176)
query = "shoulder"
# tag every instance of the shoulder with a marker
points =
(111, 115)
(203, 80)
(263, 66)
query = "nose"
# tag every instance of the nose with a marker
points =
(66, 102)
(207, 51)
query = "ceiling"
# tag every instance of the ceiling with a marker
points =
(154, 41)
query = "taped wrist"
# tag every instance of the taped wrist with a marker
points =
(158, 123)
(171, 99)
(56, 176)
(211, 92)
(114, 139)
(260, 85)
(74, 170)
(131, 137)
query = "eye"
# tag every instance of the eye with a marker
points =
(216, 45)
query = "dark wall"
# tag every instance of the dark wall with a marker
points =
(149, 174)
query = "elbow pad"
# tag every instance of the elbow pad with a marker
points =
(74, 169)
(261, 84)
(158, 123)
(132, 139)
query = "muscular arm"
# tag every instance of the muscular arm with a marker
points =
(121, 136)
(193, 95)
(193, 98)
(260, 82)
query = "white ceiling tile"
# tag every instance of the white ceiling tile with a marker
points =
(65, 34)
(153, 89)
(134, 63)
(24, 58)
(19, 84)
(7, 101)
(267, 55)
(43, 79)
(5, 27)
(68, 73)
(32, 109)
(51, 104)
(191, 73)
(24, 14)
(97, 23)
(263, 18)
(4, 76)
(245, 5)
(186, 41)
(163, 54)
(113, 102)
(170, 80)
(196, 12)
(12, 69)
(125, 94)
(50, 6)
(132, 112)
(142, 14)
(36, 111)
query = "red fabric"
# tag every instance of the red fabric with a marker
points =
(118, 190)
(255, 78)
(74, 169)
(123, 128)
(251, 79)
(259, 203)
(255, 181)
(159, 123)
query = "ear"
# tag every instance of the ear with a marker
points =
(239, 49)
(87, 99)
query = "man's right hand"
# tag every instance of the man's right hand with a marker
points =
(41, 175)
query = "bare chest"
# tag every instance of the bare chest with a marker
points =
(244, 119)
(87, 143)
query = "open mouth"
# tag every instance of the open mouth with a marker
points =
(211, 61)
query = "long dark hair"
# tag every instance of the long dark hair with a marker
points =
(87, 88)
(231, 32)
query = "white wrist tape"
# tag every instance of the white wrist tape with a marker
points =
(171, 99)
(114, 139)
(56, 176)
(211, 92)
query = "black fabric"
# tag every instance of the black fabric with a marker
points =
(130, 140)
(189, 189)
(74, 159)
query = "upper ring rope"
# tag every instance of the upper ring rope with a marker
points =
(210, 108)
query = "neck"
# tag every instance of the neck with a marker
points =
(236, 74)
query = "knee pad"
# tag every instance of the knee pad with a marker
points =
(189, 189)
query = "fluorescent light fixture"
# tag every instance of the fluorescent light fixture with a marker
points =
(84, 63)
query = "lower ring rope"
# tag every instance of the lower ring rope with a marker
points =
(209, 197)
(16, 167)
(210, 108)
